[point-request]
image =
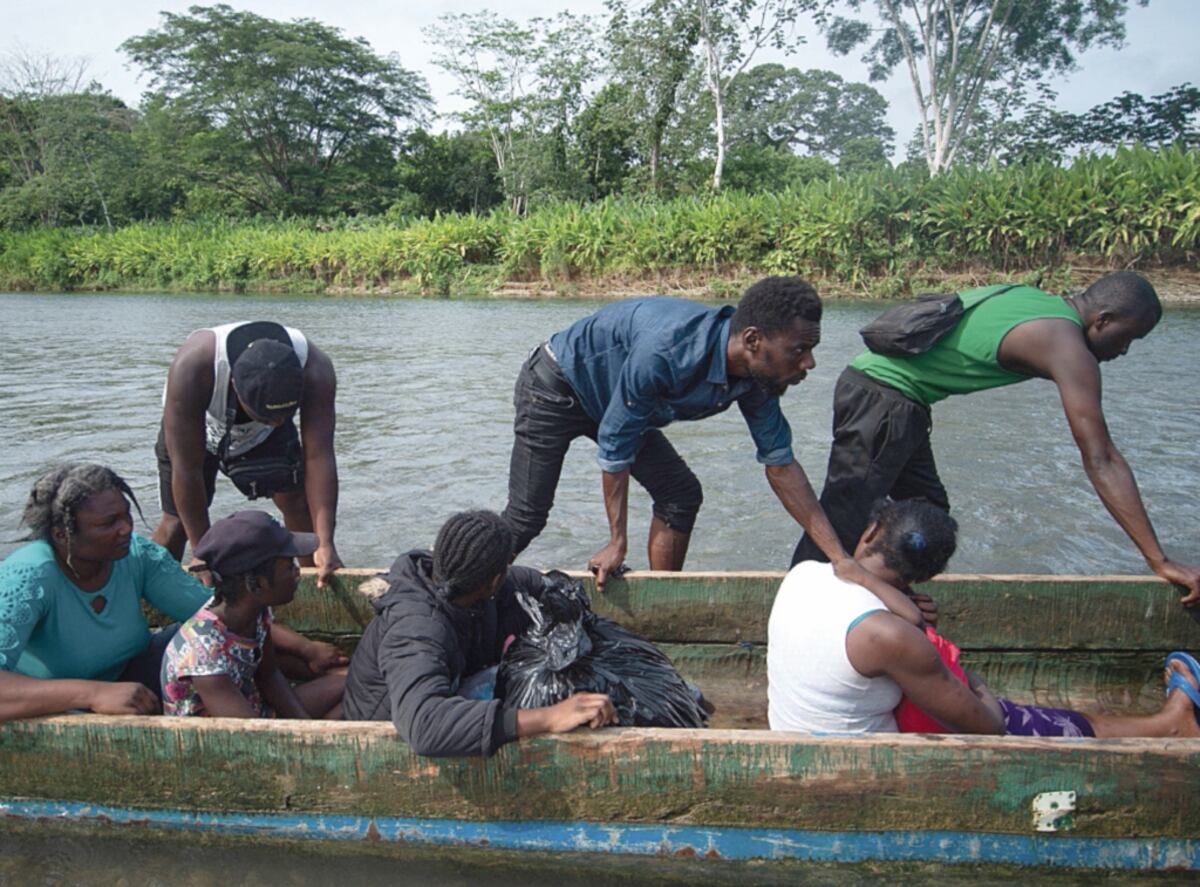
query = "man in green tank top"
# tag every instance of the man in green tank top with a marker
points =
(882, 420)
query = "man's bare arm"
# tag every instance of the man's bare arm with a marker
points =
(189, 390)
(616, 505)
(791, 486)
(318, 419)
(1056, 350)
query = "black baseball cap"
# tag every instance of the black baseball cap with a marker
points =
(239, 543)
(268, 379)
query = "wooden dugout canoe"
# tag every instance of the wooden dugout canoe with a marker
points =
(735, 791)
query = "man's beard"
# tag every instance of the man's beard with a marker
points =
(770, 387)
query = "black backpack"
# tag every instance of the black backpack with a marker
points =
(916, 326)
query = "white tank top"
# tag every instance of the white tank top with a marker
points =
(243, 436)
(811, 685)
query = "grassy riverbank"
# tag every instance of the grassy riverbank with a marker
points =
(883, 234)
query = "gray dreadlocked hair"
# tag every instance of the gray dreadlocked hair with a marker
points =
(58, 494)
(471, 548)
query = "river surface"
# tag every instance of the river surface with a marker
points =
(425, 428)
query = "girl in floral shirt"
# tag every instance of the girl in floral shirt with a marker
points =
(222, 662)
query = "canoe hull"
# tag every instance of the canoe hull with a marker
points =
(716, 794)
(742, 794)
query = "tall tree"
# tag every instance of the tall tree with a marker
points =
(1173, 116)
(609, 141)
(954, 50)
(491, 60)
(524, 84)
(1046, 132)
(567, 67)
(815, 111)
(64, 140)
(651, 53)
(306, 101)
(731, 34)
(447, 172)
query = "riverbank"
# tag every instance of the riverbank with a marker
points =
(1175, 285)
(880, 235)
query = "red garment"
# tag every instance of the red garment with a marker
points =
(909, 718)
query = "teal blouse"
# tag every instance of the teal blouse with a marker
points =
(48, 628)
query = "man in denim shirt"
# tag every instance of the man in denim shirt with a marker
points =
(621, 374)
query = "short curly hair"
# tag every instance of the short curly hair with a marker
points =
(472, 548)
(915, 537)
(774, 304)
(1126, 294)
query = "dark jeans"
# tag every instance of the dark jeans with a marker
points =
(146, 667)
(880, 448)
(548, 419)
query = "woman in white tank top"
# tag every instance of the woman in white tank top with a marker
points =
(813, 684)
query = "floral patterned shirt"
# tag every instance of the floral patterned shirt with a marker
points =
(206, 646)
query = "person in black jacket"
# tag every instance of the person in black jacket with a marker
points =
(445, 617)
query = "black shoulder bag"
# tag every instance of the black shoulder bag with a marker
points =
(916, 326)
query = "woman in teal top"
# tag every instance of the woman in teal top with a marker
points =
(71, 620)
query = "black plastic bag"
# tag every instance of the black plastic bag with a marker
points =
(569, 649)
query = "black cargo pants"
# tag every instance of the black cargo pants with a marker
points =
(880, 448)
(548, 418)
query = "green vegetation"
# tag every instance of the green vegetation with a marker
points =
(883, 228)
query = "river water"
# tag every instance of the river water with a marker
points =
(425, 425)
(424, 429)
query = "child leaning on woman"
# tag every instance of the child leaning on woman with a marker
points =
(222, 662)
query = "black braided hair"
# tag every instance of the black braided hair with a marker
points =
(58, 495)
(774, 304)
(915, 537)
(471, 549)
(230, 589)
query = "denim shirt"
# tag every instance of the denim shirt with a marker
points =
(643, 363)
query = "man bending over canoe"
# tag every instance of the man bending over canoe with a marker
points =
(444, 618)
(621, 374)
(229, 401)
(881, 409)
(838, 661)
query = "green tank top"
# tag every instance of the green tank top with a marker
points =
(965, 360)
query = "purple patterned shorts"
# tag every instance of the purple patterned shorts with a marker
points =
(1033, 720)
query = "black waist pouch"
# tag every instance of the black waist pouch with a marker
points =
(262, 475)
(274, 466)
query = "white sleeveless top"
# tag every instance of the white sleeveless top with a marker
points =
(243, 436)
(811, 685)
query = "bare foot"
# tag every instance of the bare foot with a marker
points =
(1179, 710)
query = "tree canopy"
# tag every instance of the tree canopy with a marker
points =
(249, 116)
(955, 50)
(305, 101)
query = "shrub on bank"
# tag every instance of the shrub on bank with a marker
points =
(1134, 206)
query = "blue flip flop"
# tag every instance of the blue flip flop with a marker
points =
(1179, 682)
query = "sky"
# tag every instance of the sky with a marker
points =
(1161, 49)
